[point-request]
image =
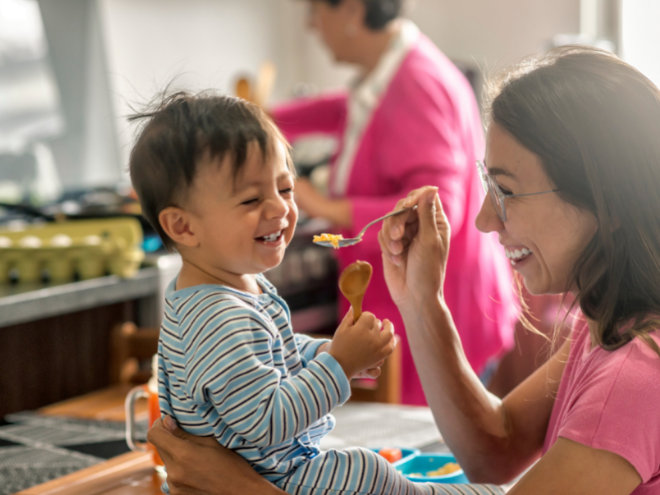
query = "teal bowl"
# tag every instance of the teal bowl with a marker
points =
(423, 463)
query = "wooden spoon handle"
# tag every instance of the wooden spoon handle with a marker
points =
(356, 303)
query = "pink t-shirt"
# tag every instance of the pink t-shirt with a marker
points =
(610, 400)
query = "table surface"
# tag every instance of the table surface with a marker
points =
(128, 474)
(133, 473)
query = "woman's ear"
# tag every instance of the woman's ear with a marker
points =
(176, 224)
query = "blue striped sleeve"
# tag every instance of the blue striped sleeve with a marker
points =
(230, 365)
(308, 346)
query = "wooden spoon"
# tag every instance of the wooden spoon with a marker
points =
(353, 283)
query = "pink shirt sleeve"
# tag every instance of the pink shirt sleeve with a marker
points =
(323, 115)
(618, 409)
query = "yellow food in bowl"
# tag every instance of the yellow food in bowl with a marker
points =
(331, 238)
(450, 467)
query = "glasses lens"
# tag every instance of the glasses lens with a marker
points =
(483, 176)
(484, 182)
(492, 190)
(495, 198)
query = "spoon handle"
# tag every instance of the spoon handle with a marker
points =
(391, 214)
(357, 307)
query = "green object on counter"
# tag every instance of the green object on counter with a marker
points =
(90, 248)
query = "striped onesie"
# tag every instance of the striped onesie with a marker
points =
(231, 367)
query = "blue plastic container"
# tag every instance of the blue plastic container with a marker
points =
(423, 463)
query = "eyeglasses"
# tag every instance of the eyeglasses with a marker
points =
(496, 195)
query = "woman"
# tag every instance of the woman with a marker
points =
(410, 120)
(572, 170)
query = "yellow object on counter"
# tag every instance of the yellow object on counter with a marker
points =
(90, 248)
(331, 238)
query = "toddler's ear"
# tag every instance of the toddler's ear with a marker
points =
(176, 224)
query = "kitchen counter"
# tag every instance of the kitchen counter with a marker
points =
(29, 302)
(55, 339)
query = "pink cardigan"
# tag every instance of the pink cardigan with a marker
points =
(426, 130)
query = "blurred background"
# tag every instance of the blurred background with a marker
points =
(80, 305)
(71, 70)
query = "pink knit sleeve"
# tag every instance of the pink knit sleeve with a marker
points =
(323, 115)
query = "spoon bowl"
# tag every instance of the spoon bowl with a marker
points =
(354, 240)
(353, 283)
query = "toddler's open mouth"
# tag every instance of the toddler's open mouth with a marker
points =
(274, 237)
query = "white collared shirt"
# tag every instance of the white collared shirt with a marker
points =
(364, 98)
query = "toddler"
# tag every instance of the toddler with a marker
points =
(215, 179)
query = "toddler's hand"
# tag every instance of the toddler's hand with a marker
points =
(363, 345)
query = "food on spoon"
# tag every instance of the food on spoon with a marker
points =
(331, 238)
(450, 467)
(391, 454)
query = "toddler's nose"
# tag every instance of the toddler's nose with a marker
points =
(277, 208)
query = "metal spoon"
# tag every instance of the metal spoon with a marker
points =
(353, 283)
(358, 238)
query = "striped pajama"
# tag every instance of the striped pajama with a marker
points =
(231, 367)
(362, 471)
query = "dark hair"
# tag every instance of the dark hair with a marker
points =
(378, 12)
(594, 122)
(178, 132)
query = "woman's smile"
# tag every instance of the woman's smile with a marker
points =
(517, 254)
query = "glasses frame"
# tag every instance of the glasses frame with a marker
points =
(496, 195)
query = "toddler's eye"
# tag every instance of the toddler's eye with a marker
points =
(250, 201)
(286, 191)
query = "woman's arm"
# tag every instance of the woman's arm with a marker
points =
(571, 468)
(494, 440)
(323, 115)
(201, 466)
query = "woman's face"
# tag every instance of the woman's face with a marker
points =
(336, 25)
(543, 235)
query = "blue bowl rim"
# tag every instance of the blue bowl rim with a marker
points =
(445, 455)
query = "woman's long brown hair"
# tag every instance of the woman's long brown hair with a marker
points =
(594, 121)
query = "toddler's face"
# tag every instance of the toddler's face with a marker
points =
(245, 223)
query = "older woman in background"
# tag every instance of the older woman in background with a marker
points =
(410, 120)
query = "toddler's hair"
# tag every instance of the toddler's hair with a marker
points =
(180, 130)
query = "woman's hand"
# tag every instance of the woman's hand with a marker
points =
(415, 247)
(200, 465)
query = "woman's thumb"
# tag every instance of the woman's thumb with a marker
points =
(171, 426)
(426, 211)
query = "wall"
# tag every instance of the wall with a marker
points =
(207, 43)
(196, 44)
(640, 37)
(486, 32)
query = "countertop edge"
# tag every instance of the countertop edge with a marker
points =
(76, 296)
